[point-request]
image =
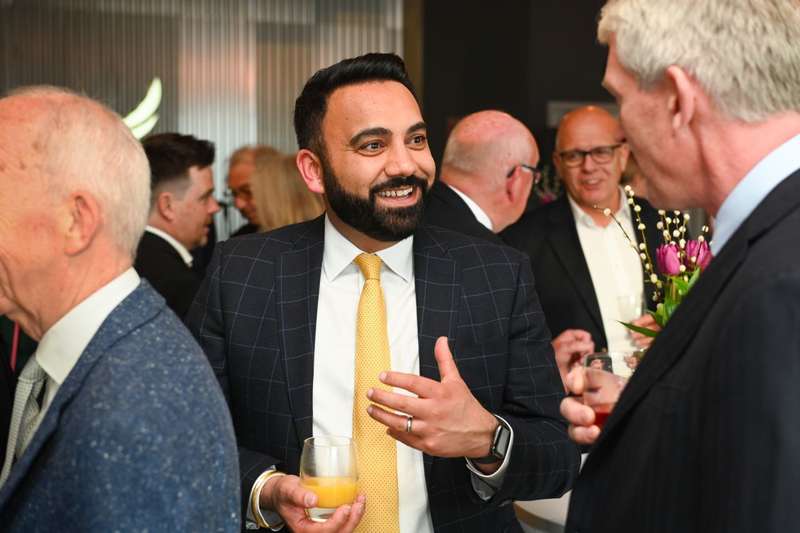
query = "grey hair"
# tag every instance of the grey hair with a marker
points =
(87, 146)
(744, 53)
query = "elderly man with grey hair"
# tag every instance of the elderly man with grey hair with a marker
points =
(118, 422)
(488, 170)
(703, 437)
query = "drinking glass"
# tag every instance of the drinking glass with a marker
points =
(606, 376)
(630, 307)
(328, 468)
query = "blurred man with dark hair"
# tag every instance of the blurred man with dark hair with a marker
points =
(181, 208)
(366, 300)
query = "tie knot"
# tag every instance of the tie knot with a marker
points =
(32, 372)
(370, 265)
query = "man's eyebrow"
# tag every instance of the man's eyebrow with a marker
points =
(418, 126)
(369, 132)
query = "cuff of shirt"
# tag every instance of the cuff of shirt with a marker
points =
(485, 485)
(267, 516)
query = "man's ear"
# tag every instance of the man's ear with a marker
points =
(682, 97)
(519, 185)
(165, 205)
(310, 168)
(84, 218)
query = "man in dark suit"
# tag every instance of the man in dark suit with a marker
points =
(703, 437)
(118, 422)
(488, 170)
(588, 276)
(278, 319)
(182, 205)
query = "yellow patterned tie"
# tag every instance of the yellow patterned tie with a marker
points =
(377, 452)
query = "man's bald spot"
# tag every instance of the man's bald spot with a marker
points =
(480, 140)
(588, 115)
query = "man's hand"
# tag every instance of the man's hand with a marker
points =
(447, 419)
(580, 417)
(644, 321)
(570, 347)
(285, 496)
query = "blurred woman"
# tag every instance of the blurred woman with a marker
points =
(280, 195)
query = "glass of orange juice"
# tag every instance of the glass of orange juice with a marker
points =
(328, 468)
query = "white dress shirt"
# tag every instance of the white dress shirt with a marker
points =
(479, 213)
(754, 187)
(181, 249)
(616, 272)
(62, 345)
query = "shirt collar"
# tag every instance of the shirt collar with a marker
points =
(65, 341)
(582, 217)
(339, 253)
(181, 249)
(753, 188)
(479, 213)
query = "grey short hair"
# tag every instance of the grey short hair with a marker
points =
(86, 146)
(744, 53)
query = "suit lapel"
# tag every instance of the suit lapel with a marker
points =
(298, 275)
(437, 282)
(671, 344)
(139, 307)
(563, 239)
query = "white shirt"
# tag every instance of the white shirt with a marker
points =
(62, 345)
(181, 249)
(615, 269)
(340, 287)
(479, 213)
(754, 187)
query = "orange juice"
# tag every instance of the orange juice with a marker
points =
(332, 492)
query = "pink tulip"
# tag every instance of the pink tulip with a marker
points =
(668, 259)
(697, 253)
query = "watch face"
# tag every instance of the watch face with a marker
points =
(500, 447)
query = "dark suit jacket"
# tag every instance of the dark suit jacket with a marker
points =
(160, 264)
(704, 437)
(8, 378)
(137, 438)
(446, 209)
(255, 317)
(549, 236)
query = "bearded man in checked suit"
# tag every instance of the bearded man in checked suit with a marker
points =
(277, 318)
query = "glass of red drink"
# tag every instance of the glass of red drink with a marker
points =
(605, 377)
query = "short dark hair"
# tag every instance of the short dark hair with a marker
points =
(171, 155)
(311, 105)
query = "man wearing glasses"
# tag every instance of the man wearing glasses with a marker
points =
(587, 275)
(488, 171)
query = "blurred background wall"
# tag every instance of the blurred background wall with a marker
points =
(231, 69)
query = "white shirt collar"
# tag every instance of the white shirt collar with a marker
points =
(479, 213)
(582, 217)
(62, 345)
(181, 249)
(339, 253)
(754, 187)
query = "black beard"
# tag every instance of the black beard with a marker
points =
(365, 216)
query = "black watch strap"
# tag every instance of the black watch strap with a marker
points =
(500, 442)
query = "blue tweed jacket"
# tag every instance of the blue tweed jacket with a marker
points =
(138, 437)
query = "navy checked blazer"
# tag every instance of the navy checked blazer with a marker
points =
(255, 317)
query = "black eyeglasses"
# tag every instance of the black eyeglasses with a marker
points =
(537, 173)
(600, 154)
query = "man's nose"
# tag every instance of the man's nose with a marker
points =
(401, 162)
(213, 206)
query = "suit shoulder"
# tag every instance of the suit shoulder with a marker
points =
(530, 227)
(474, 249)
(269, 245)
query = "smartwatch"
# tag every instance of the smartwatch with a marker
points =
(500, 442)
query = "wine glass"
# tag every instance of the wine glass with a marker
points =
(630, 307)
(607, 373)
(328, 469)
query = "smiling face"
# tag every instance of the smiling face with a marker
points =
(591, 183)
(377, 166)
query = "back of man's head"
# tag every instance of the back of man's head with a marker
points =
(484, 154)
(171, 155)
(79, 144)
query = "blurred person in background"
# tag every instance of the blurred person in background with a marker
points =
(240, 173)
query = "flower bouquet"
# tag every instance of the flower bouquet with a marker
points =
(679, 260)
